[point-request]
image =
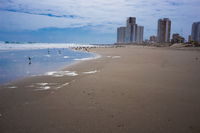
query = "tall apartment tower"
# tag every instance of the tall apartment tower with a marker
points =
(140, 30)
(121, 31)
(131, 27)
(195, 33)
(134, 33)
(164, 29)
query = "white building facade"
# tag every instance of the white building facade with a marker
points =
(121, 31)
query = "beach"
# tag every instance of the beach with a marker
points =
(127, 89)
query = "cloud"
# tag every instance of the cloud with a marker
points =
(60, 14)
(98, 15)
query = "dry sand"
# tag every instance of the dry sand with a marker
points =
(131, 90)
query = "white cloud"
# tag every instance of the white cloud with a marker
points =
(104, 15)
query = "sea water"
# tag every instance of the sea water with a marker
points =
(18, 60)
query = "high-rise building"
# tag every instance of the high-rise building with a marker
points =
(132, 33)
(121, 31)
(131, 27)
(152, 39)
(195, 33)
(139, 34)
(164, 29)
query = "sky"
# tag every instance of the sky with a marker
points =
(90, 21)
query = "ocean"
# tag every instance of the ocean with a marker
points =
(22, 60)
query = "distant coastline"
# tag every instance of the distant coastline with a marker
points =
(13, 42)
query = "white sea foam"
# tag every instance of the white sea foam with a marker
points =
(42, 83)
(66, 57)
(48, 55)
(90, 72)
(14, 46)
(61, 86)
(46, 87)
(84, 59)
(61, 73)
(50, 73)
(31, 86)
(43, 88)
(65, 84)
(88, 58)
(116, 57)
(71, 73)
(12, 87)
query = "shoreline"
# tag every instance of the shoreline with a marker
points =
(42, 62)
(128, 89)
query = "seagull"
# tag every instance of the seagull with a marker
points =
(29, 60)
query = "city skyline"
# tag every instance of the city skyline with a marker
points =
(84, 21)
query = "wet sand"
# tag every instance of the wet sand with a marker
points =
(132, 89)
